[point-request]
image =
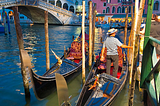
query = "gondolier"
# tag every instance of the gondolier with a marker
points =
(112, 43)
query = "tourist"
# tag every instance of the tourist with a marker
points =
(142, 32)
(141, 36)
(111, 44)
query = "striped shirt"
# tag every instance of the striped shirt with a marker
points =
(111, 44)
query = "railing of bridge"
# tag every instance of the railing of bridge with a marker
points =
(53, 7)
(150, 73)
(4, 1)
(36, 3)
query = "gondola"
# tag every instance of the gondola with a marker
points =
(69, 65)
(101, 89)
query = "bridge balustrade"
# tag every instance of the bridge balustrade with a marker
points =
(4, 1)
(150, 72)
(7, 2)
(150, 77)
(53, 7)
(37, 3)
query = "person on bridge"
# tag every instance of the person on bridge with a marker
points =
(111, 44)
(138, 75)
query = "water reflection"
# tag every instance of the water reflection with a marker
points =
(11, 86)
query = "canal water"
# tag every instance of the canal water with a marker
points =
(11, 84)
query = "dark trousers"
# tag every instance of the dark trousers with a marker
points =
(114, 59)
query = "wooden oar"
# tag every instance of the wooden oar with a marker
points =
(62, 90)
(26, 59)
(59, 60)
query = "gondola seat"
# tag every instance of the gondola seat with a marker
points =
(75, 50)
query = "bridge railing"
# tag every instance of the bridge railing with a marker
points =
(53, 7)
(150, 75)
(4, 1)
(7, 2)
(37, 3)
(150, 72)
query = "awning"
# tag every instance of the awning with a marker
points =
(100, 15)
(124, 15)
(118, 15)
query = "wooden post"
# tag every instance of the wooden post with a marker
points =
(132, 88)
(132, 28)
(65, 55)
(132, 11)
(94, 19)
(90, 33)
(46, 40)
(132, 37)
(83, 43)
(21, 46)
(126, 24)
(4, 20)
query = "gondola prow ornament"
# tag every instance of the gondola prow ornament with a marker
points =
(59, 60)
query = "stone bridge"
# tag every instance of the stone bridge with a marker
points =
(34, 10)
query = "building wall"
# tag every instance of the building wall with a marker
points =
(156, 11)
(116, 4)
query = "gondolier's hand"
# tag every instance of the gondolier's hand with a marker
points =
(125, 46)
(102, 58)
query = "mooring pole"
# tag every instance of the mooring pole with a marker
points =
(132, 11)
(132, 37)
(4, 20)
(90, 33)
(94, 19)
(126, 24)
(83, 42)
(132, 88)
(21, 46)
(46, 40)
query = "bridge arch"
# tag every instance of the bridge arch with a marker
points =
(65, 6)
(35, 11)
(59, 3)
(71, 8)
(70, 4)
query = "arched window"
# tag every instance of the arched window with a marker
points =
(52, 2)
(113, 9)
(65, 6)
(123, 9)
(71, 9)
(103, 11)
(108, 1)
(58, 3)
(156, 5)
(107, 10)
(119, 10)
(119, 1)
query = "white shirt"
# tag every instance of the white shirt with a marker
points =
(111, 44)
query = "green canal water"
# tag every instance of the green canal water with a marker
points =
(11, 84)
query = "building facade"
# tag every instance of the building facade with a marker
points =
(112, 7)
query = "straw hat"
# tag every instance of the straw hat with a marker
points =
(110, 31)
(142, 31)
(143, 25)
